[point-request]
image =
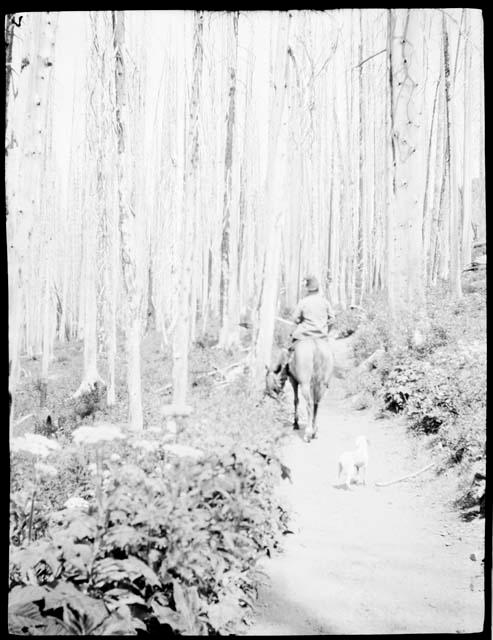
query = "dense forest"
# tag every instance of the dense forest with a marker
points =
(172, 177)
(198, 178)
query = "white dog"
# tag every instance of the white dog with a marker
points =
(354, 463)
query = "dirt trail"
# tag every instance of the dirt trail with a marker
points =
(373, 560)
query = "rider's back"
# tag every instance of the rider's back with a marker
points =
(311, 315)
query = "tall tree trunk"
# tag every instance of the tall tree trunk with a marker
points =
(363, 235)
(28, 109)
(48, 213)
(127, 231)
(406, 287)
(466, 153)
(440, 170)
(228, 305)
(452, 160)
(92, 214)
(273, 208)
(427, 210)
(181, 334)
(10, 22)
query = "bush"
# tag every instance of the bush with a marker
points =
(168, 542)
(370, 336)
(434, 391)
(347, 322)
(464, 438)
(438, 380)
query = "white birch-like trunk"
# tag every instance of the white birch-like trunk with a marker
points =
(181, 334)
(466, 253)
(406, 288)
(273, 208)
(229, 306)
(452, 124)
(127, 232)
(31, 61)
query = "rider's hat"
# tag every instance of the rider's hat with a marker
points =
(311, 283)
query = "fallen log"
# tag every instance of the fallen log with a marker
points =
(410, 475)
(371, 361)
(214, 372)
(285, 321)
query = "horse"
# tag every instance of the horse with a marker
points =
(309, 370)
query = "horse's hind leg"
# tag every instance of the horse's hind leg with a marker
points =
(296, 402)
(305, 390)
(315, 428)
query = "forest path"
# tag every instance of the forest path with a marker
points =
(373, 560)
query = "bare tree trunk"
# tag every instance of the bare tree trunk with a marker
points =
(92, 215)
(10, 22)
(127, 231)
(228, 305)
(363, 235)
(466, 253)
(48, 211)
(406, 287)
(440, 173)
(427, 210)
(25, 185)
(451, 109)
(268, 298)
(181, 333)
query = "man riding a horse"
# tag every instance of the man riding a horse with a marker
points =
(308, 361)
(313, 316)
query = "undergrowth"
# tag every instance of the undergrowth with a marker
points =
(436, 378)
(144, 534)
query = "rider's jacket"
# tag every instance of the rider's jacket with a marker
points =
(312, 315)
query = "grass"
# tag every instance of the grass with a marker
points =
(66, 371)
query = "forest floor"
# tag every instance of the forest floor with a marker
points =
(393, 559)
(372, 560)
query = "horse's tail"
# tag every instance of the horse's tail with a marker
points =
(317, 383)
(283, 368)
(283, 376)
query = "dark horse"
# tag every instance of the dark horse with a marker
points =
(310, 368)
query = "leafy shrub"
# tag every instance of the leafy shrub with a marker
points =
(472, 495)
(24, 511)
(371, 336)
(64, 610)
(464, 438)
(347, 322)
(368, 383)
(401, 384)
(438, 381)
(73, 478)
(168, 542)
(439, 390)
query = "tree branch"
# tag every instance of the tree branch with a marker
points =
(370, 57)
(466, 36)
(410, 475)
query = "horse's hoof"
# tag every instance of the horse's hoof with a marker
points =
(296, 426)
(307, 439)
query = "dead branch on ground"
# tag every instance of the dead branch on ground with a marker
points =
(410, 475)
